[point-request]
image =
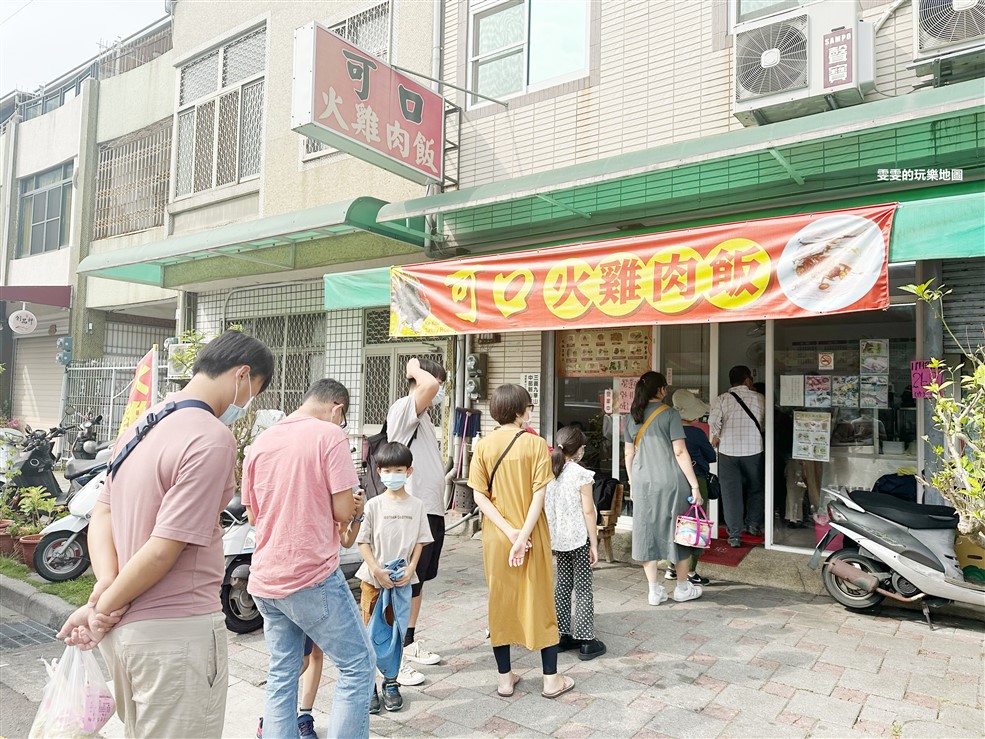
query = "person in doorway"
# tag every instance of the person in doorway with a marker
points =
(298, 483)
(156, 549)
(692, 408)
(408, 422)
(661, 477)
(509, 473)
(570, 511)
(396, 531)
(737, 423)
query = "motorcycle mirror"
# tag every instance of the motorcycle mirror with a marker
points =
(28, 430)
(97, 420)
(69, 410)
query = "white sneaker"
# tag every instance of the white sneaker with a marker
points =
(686, 591)
(657, 595)
(420, 655)
(408, 675)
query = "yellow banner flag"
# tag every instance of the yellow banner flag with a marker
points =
(143, 393)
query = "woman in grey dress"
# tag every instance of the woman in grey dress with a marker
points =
(661, 478)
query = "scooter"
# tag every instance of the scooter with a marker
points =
(63, 552)
(85, 445)
(899, 550)
(35, 464)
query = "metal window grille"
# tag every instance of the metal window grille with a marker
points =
(385, 380)
(131, 341)
(220, 139)
(132, 182)
(378, 329)
(244, 57)
(124, 57)
(200, 78)
(370, 30)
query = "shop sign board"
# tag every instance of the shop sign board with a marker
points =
(922, 375)
(787, 267)
(353, 101)
(22, 322)
(837, 63)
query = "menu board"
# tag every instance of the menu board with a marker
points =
(817, 391)
(812, 436)
(619, 352)
(874, 391)
(873, 356)
(844, 391)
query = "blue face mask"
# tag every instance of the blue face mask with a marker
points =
(393, 480)
(235, 412)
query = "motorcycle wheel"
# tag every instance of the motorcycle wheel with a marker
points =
(846, 593)
(242, 614)
(72, 562)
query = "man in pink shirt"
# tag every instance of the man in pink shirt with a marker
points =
(156, 549)
(298, 481)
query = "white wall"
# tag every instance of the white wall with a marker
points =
(50, 139)
(52, 268)
(135, 99)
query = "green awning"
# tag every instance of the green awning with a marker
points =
(944, 228)
(340, 232)
(365, 288)
(813, 159)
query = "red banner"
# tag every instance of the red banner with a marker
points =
(143, 391)
(787, 267)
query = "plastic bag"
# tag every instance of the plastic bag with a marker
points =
(77, 702)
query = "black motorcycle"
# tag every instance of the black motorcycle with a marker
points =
(35, 465)
(85, 445)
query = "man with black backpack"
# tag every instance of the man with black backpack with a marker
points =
(737, 423)
(408, 422)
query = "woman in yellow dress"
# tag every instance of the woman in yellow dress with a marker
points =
(509, 473)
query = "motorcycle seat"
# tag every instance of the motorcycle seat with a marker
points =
(236, 507)
(78, 467)
(911, 515)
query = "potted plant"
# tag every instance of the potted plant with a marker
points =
(36, 509)
(7, 520)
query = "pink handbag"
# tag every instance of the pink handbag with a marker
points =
(693, 529)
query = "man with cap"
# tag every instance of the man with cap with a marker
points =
(692, 409)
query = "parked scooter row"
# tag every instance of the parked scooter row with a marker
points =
(896, 549)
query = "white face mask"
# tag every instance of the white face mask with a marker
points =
(235, 412)
(439, 397)
(393, 480)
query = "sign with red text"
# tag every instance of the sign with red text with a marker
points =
(786, 267)
(351, 100)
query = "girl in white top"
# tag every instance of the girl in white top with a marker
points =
(570, 513)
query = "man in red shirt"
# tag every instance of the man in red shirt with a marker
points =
(156, 549)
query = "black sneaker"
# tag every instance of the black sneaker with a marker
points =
(392, 700)
(306, 726)
(590, 649)
(374, 702)
(670, 574)
(695, 579)
(567, 643)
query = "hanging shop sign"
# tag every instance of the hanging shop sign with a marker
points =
(351, 100)
(22, 322)
(787, 267)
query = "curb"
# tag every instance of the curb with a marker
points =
(44, 608)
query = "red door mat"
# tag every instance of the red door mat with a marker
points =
(720, 553)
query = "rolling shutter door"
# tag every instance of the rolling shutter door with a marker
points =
(964, 308)
(37, 386)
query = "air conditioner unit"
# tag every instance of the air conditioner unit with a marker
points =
(176, 368)
(809, 60)
(951, 30)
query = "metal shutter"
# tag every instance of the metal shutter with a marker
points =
(964, 308)
(37, 386)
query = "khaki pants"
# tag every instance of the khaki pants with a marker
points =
(170, 676)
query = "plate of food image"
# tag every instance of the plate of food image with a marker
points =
(832, 262)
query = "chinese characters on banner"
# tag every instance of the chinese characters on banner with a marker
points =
(143, 392)
(837, 57)
(787, 267)
(355, 102)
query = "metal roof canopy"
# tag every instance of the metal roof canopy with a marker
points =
(835, 154)
(269, 244)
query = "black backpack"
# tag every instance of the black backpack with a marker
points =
(371, 482)
(603, 491)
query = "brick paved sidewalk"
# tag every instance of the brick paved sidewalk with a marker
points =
(740, 662)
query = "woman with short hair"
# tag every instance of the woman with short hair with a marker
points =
(661, 479)
(509, 473)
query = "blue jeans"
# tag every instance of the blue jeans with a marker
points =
(328, 614)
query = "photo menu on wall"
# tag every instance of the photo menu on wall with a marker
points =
(620, 352)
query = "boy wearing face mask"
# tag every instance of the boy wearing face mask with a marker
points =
(408, 422)
(394, 533)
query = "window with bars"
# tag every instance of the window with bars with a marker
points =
(132, 182)
(219, 122)
(45, 211)
(298, 345)
(370, 31)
